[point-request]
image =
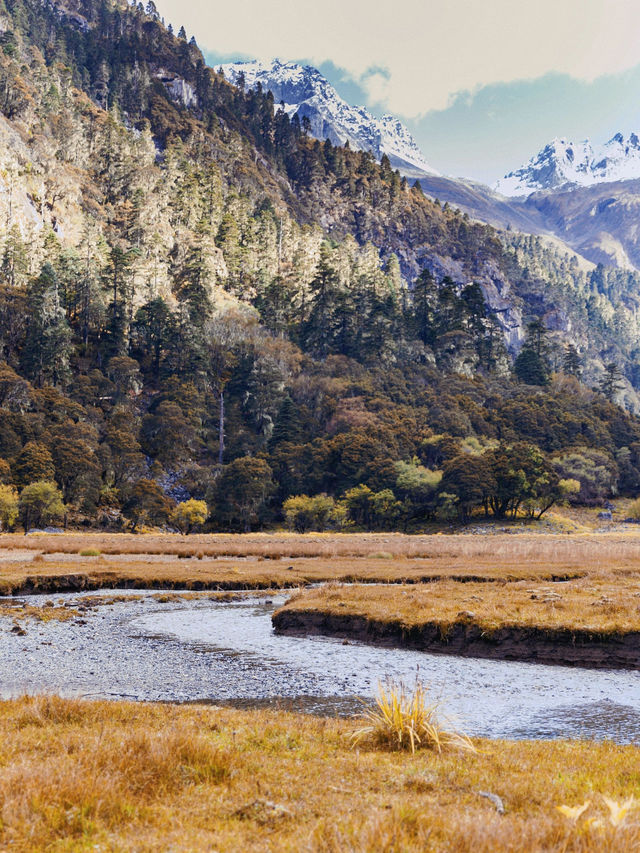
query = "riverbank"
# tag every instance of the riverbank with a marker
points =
(221, 647)
(72, 562)
(557, 599)
(79, 775)
(593, 621)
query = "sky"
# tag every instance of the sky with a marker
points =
(482, 84)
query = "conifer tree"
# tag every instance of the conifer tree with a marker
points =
(45, 356)
(611, 383)
(287, 427)
(323, 323)
(532, 364)
(571, 363)
(424, 301)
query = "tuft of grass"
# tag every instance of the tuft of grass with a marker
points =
(90, 552)
(404, 719)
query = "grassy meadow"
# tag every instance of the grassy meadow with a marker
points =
(285, 560)
(121, 776)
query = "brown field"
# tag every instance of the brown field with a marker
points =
(286, 560)
(78, 776)
(119, 776)
(531, 548)
(598, 603)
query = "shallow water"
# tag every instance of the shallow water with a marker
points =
(203, 650)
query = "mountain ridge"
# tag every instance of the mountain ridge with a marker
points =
(563, 163)
(200, 300)
(306, 93)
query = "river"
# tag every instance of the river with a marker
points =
(143, 648)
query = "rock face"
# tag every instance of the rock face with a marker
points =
(307, 94)
(179, 90)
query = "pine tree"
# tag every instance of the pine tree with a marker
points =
(323, 323)
(287, 426)
(15, 262)
(571, 363)
(119, 280)
(611, 383)
(532, 364)
(529, 368)
(45, 357)
(424, 299)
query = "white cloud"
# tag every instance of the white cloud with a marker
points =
(430, 48)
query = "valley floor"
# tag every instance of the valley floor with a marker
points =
(552, 598)
(80, 775)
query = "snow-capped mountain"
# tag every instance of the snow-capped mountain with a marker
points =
(563, 163)
(306, 92)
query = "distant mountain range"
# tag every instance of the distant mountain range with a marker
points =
(586, 196)
(305, 92)
(562, 163)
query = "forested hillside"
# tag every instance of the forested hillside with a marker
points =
(200, 302)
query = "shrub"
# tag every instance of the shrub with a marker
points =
(189, 514)
(241, 492)
(8, 506)
(372, 510)
(39, 504)
(146, 503)
(569, 487)
(595, 470)
(309, 513)
(634, 510)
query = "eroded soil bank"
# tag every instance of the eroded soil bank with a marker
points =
(539, 645)
(93, 582)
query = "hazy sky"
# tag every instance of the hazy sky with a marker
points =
(481, 83)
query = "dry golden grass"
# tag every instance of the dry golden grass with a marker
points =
(598, 603)
(503, 580)
(597, 548)
(117, 776)
(282, 560)
(46, 613)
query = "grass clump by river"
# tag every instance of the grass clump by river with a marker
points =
(406, 719)
(123, 776)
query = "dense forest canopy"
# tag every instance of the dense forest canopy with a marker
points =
(209, 317)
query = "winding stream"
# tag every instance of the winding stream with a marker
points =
(207, 650)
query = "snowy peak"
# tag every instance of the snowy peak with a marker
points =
(562, 162)
(306, 93)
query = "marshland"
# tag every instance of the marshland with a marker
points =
(271, 722)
